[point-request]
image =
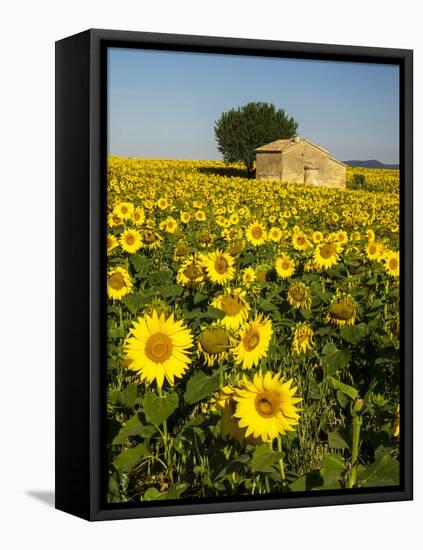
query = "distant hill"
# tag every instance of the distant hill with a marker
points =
(370, 164)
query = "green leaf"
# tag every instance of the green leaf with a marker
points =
(133, 427)
(383, 472)
(169, 291)
(348, 390)
(200, 386)
(307, 482)
(340, 439)
(353, 334)
(215, 313)
(337, 360)
(129, 458)
(332, 469)
(141, 263)
(158, 409)
(125, 398)
(264, 458)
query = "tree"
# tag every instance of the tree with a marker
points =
(240, 131)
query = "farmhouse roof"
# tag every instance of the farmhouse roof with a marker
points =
(282, 145)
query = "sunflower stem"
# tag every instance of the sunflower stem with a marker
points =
(357, 421)
(281, 466)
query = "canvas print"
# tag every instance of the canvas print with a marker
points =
(253, 322)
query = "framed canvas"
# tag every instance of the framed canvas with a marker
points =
(243, 341)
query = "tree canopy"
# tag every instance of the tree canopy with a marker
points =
(240, 131)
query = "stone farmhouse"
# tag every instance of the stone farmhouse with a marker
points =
(298, 160)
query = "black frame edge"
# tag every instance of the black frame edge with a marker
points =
(72, 159)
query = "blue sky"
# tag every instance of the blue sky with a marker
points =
(164, 104)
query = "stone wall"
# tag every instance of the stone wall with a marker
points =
(268, 165)
(301, 164)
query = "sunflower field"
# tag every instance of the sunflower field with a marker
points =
(253, 332)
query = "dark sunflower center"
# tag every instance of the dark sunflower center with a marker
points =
(298, 293)
(130, 239)
(257, 232)
(158, 347)
(204, 237)
(214, 341)
(221, 265)
(267, 403)
(124, 209)
(343, 310)
(116, 281)
(393, 263)
(149, 237)
(192, 272)
(372, 249)
(251, 339)
(286, 264)
(327, 251)
(231, 305)
(300, 240)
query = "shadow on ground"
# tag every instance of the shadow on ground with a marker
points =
(229, 172)
(46, 497)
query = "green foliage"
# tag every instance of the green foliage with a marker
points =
(240, 131)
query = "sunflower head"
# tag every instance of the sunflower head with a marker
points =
(266, 406)
(234, 305)
(219, 267)
(285, 266)
(326, 255)
(130, 241)
(302, 340)
(119, 283)
(236, 247)
(158, 348)
(299, 296)
(214, 344)
(343, 310)
(392, 263)
(254, 342)
(256, 233)
(191, 272)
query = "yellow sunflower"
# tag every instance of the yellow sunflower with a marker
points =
(119, 283)
(113, 220)
(191, 272)
(219, 267)
(112, 243)
(285, 266)
(225, 404)
(124, 210)
(158, 348)
(150, 239)
(256, 233)
(342, 311)
(303, 338)
(254, 342)
(130, 241)
(170, 225)
(234, 305)
(138, 217)
(200, 216)
(317, 237)
(326, 255)
(374, 250)
(392, 263)
(248, 276)
(214, 344)
(266, 406)
(162, 203)
(299, 296)
(300, 241)
(185, 217)
(275, 234)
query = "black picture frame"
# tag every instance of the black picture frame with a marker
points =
(81, 141)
